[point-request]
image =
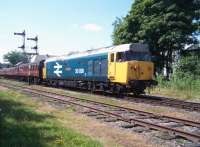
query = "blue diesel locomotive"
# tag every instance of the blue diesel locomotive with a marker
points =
(116, 69)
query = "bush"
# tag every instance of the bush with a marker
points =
(186, 77)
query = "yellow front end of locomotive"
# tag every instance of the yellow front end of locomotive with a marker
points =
(123, 72)
(118, 72)
(140, 70)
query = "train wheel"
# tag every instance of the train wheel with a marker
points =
(93, 89)
(112, 89)
(57, 84)
(103, 89)
(119, 91)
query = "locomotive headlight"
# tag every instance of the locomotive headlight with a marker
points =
(135, 67)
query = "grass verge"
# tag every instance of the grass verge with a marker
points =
(22, 125)
(187, 88)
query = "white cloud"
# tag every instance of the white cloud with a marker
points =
(92, 27)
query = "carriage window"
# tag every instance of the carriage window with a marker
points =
(112, 57)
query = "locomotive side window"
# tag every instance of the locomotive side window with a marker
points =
(97, 67)
(140, 56)
(112, 57)
(104, 67)
(90, 68)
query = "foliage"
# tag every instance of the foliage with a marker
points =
(22, 125)
(189, 65)
(186, 86)
(166, 25)
(186, 77)
(15, 57)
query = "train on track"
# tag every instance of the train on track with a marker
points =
(117, 69)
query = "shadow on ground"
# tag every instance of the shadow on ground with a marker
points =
(22, 127)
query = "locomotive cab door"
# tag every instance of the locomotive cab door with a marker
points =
(118, 68)
(111, 66)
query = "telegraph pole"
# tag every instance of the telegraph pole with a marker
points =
(35, 39)
(23, 35)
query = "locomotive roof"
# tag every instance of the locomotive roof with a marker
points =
(37, 58)
(137, 47)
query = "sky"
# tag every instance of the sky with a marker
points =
(61, 25)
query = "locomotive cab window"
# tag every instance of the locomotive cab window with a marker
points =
(120, 57)
(140, 56)
(112, 57)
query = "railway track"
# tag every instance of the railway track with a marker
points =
(186, 129)
(161, 101)
(164, 101)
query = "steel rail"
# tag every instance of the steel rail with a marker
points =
(168, 102)
(184, 121)
(190, 136)
(179, 120)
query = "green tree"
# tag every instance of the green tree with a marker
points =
(15, 57)
(166, 25)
